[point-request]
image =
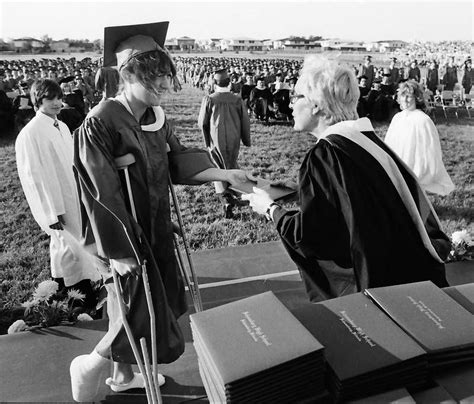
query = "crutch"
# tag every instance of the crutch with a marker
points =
(150, 373)
(193, 284)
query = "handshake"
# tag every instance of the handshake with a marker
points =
(262, 193)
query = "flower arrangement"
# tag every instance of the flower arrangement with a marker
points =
(46, 308)
(462, 246)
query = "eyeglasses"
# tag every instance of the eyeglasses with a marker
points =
(295, 98)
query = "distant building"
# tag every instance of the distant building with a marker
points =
(391, 45)
(81, 46)
(208, 43)
(60, 46)
(351, 46)
(300, 43)
(180, 44)
(28, 44)
(5, 46)
(241, 44)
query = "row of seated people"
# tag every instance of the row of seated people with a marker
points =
(16, 112)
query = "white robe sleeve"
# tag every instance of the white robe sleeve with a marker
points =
(42, 188)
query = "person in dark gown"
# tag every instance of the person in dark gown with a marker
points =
(261, 100)
(133, 122)
(363, 219)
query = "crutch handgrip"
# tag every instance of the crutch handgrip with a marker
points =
(124, 161)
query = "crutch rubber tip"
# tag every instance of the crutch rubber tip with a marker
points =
(85, 371)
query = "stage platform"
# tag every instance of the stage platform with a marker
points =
(34, 366)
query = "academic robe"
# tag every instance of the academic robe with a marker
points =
(369, 72)
(259, 101)
(224, 122)
(415, 139)
(363, 219)
(110, 131)
(450, 78)
(44, 160)
(432, 79)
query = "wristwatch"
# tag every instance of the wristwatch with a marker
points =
(269, 211)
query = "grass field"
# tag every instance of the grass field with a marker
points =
(276, 153)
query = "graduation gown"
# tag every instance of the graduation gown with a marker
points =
(363, 219)
(110, 131)
(415, 139)
(44, 160)
(224, 122)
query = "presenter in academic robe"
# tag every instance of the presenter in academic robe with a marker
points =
(44, 153)
(364, 220)
(134, 123)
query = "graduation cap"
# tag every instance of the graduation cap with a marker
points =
(394, 59)
(368, 57)
(221, 77)
(123, 42)
(67, 79)
(221, 72)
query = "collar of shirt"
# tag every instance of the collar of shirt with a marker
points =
(159, 114)
(360, 125)
(218, 89)
(46, 119)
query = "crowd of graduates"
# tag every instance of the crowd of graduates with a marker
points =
(78, 81)
(265, 85)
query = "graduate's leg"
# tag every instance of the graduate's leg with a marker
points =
(123, 373)
(86, 372)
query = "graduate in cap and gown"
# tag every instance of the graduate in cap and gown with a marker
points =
(364, 221)
(224, 122)
(133, 122)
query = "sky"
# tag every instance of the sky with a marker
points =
(348, 20)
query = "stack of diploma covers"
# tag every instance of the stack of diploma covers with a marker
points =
(255, 350)
(437, 322)
(463, 294)
(366, 352)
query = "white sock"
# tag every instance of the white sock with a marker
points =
(85, 373)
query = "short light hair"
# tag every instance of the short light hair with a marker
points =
(414, 88)
(330, 86)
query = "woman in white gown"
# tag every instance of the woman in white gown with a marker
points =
(414, 137)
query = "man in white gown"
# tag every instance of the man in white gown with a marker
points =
(44, 153)
(414, 137)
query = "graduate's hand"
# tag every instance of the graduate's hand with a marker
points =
(126, 266)
(259, 200)
(59, 224)
(236, 177)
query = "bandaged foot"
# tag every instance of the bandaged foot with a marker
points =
(85, 373)
(136, 383)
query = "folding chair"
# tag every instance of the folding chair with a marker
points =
(468, 102)
(449, 103)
